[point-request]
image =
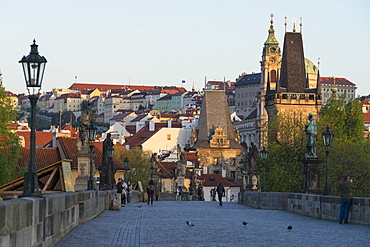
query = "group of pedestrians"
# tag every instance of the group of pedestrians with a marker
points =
(125, 190)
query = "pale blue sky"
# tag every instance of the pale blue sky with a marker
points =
(157, 42)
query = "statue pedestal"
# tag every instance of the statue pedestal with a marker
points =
(180, 181)
(83, 159)
(311, 176)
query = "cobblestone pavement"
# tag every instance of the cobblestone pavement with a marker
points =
(164, 224)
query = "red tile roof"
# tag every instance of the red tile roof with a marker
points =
(338, 80)
(69, 150)
(367, 117)
(44, 157)
(212, 180)
(42, 138)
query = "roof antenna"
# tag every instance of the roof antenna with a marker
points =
(294, 25)
(272, 17)
(300, 25)
(285, 23)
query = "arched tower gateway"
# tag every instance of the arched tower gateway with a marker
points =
(270, 71)
(217, 141)
(293, 92)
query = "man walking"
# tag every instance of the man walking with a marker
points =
(346, 189)
(220, 192)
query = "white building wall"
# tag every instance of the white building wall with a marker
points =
(166, 139)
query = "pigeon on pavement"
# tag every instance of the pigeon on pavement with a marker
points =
(189, 224)
(289, 228)
(245, 223)
(140, 206)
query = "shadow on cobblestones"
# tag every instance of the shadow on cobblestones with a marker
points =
(164, 224)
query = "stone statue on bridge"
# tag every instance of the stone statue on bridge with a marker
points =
(311, 132)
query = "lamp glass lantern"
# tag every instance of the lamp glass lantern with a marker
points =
(125, 162)
(91, 131)
(33, 67)
(110, 152)
(327, 137)
(264, 153)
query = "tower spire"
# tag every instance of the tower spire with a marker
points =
(300, 25)
(294, 25)
(271, 39)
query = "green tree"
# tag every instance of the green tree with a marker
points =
(286, 148)
(9, 142)
(350, 150)
(139, 163)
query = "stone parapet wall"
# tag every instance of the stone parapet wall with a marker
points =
(43, 221)
(317, 206)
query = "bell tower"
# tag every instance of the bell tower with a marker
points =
(270, 71)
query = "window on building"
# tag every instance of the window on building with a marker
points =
(168, 137)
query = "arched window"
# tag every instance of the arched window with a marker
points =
(273, 76)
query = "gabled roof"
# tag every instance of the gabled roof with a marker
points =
(44, 157)
(68, 96)
(121, 116)
(367, 117)
(338, 80)
(249, 79)
(212, 180)
(252, 115)
(68, 150)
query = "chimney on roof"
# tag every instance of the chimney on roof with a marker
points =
(151, 126)
(54, 140)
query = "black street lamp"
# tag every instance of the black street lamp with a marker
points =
(110, 152)
(33, 69)
(327, 138)
(91, 132)
(263, 154)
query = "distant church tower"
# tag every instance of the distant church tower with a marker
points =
(216, 141)
(292, 92)
(270, 71)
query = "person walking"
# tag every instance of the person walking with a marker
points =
(178, 193)
(200, 192)
(124, 192)
(129, 189)
(120, 191)
(220, 192)
(346, 190)
(150, 191)
(213, 194)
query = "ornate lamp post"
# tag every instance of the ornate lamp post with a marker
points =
(327, 138)
(110, 152)
(91, 132)
(33, 69)
(263, 154)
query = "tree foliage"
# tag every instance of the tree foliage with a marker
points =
(349, 153)
(9, 142)
(139, 163)
(286, 146)
(350, 150)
